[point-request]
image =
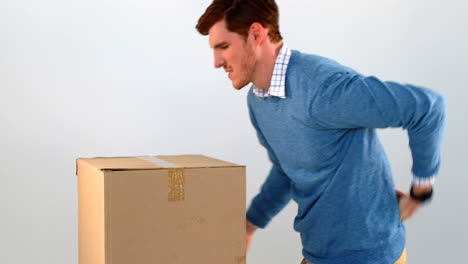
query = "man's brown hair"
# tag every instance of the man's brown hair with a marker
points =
(240, 14)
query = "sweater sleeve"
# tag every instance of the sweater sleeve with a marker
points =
(348, 100)
(275, 192)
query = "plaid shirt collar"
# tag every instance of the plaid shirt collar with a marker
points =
(277, 84)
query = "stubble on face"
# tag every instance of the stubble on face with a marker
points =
(246, 67)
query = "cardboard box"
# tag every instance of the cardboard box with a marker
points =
(187, 209)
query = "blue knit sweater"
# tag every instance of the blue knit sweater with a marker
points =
(326, 156)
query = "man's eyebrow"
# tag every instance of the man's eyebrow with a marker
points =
(219, 45)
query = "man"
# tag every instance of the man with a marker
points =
(318, 119)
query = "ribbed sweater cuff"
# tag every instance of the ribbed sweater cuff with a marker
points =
(256, 217)
(419, 181)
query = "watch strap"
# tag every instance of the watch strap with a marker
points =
(425, 197)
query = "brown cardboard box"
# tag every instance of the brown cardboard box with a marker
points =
(187, 209)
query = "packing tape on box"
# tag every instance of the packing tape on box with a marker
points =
(175, 176)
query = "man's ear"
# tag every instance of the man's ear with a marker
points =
(257, 32)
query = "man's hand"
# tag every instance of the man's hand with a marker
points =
(409, 206)
(250, 230)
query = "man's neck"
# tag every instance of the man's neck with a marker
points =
(265, 65)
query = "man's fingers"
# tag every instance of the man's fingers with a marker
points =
(249, 239)
(400, 194)
(408, 207)
(250, 229)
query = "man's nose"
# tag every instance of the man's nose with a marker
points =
(218, 61)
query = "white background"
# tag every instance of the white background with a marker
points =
(117, 78)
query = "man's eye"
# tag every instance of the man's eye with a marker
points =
(224, 47)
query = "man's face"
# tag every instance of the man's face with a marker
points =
(234, 53)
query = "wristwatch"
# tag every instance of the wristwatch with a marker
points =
(423, 198)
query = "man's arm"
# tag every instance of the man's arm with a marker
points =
(275, 192)
(349, 100)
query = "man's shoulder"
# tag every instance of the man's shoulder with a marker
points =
(303, 57)
(313, 66)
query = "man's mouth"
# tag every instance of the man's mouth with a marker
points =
(229, 72)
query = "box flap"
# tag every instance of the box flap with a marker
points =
(136, 163)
